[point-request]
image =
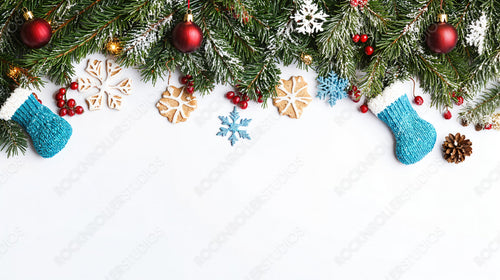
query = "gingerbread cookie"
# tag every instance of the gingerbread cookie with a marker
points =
(292, 97)
(176, 104)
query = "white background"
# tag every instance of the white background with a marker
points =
(133, 196)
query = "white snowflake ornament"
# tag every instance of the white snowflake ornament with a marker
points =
(101, 80)
(477, 33)
(309, 18)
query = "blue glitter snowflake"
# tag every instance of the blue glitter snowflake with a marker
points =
(332, 87)
(234, 127)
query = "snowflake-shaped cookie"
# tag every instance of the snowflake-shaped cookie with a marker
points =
(234, 127)
(176, 104)
(309, 18)
(292, 97)
(332, 88)
(101, 80)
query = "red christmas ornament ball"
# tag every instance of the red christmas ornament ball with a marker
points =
(36, 33)
(442, 37)
(363, 108)
(187, 36)
(355, 38)
(364, 38)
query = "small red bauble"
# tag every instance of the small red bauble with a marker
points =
(354, 88)
(260, 99)
(488, 126)
(236, 99)
(419, 100)
(447, 115)
(189, 77)
(363, 108)
(62, 90)
(355, 38)
(190, 90)
(71, 113)
(230, 94)
(364, 38)
(184, 80)
(369, 50)
(79, 110)
(190, 83)
(460, 100)
(245, 97)
(187, 36)
(35, 32)
(243, 104)
(74, 86)
(59, 96)
(441, 37)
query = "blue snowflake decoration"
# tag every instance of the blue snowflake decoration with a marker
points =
(332, 87)
(234, 127)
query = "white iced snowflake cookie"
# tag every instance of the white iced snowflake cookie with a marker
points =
(101, 80)
(292, 97)
(309, 18)
(176, 104)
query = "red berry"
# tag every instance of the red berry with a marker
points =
(356, 98)
(71, 103)
(39, 101)
(71, 113)
(453, 94)
(355, 38)
(190, 83)
(236, 99)
(447, 115)
(189, 77)
(488, 126)
(369, 50)
(79, 110)
(245, 97)
(230, 94)
(257, 92)
(460, 100)
(61, 103)
(349, 92)
(190, 90)
(364, 38)
(260, 99)
(63, 112)
(354, 88)
(74, 86)
(184, 80)
(363, 108)
(60, 96)
(243, 104)
(62, 90)
(419, 100)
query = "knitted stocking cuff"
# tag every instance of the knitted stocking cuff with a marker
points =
(14, 102)
(389, 96)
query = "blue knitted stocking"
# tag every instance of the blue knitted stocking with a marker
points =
(415, 137)
(49, 132)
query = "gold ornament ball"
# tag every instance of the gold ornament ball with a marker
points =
(13, 72)
(306, 58)
(114, 47)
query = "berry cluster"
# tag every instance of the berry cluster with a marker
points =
(241, 99)
(359, 3)
(188, 81)
(363, 38)
(67, 107)
(355, 95)
(459, 100)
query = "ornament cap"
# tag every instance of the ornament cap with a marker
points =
(188, 17)
(442, 17)
(27, 14)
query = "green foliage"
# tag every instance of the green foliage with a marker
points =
(247, 41)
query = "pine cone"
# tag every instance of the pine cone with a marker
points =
(456, 148)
